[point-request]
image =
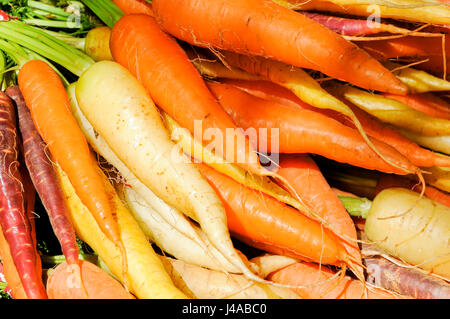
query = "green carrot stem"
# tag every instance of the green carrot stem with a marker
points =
(106, 10)
(48, 8)
(75, 42)
(46, 45)
(356, 206)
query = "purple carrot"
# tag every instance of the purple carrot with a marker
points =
(44, 178)
(353, 27)
(13, 219)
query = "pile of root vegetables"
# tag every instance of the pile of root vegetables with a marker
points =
(220, 149)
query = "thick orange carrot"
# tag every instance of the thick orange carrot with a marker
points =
(174, 84)
(44, 178)
(426, 103)
(305, 177)
(47, 100)
(13, 218)
(134, 6)
(97, 283)
(389, 181)
(417, 155)
(263, 222)
(303, 274)
(304, 131)
(264, 28)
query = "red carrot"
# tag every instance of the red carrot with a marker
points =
(264, 28)
(13, 219)
(44, 178)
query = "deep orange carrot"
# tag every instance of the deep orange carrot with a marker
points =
(304, 131)
(426, 103)
(134, 6)
(303, 274)
(165, 70)
(264, 28)
(306, 178)
(47, 100)
(417, 155)
(389, 181)
(14, 221)
(263, 222)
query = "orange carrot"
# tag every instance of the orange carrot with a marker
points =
(389, 181)
(174, 84)
(304, 131)
(97, 283)
(47, 100)
(305, 177)
(264, 28)
(263, 222)
(303, 274)
(417, 155)
(134, 6)
(426, 103)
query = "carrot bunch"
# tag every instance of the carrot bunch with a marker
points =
(215, 120)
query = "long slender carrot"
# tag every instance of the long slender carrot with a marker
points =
(304, 175)
(165, 71)
(264, 28)
(134, 6)
(44, 178)
(389, 181)
(13, 219)
(417, 155)
(264, 222)
(49, 105)
(426, 103)
(303, 273)
(304, 131)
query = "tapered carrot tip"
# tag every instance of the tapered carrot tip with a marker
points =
(64, 282)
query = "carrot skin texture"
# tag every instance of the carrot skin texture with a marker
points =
(13, 220)
(134, 6)
(49, 105)
(417, 155)
(44, 178)
(261, 220)
(165, 70)
(303, 131)
(305, 176)
(264, 28)
(408, 282)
